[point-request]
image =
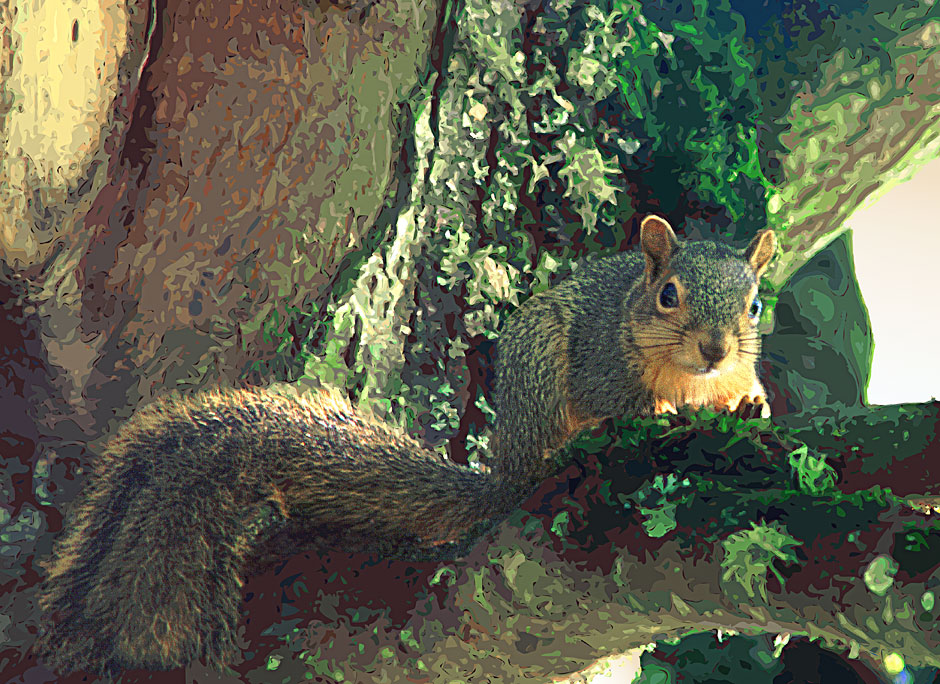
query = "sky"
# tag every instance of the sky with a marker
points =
(897, 262)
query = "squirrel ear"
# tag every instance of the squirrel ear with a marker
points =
(659, 244)
(761, 250)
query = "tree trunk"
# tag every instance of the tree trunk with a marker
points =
(206, 193)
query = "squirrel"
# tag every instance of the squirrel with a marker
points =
(148, 570)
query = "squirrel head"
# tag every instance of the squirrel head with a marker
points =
(694, 314)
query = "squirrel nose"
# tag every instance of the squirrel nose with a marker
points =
(714, 350)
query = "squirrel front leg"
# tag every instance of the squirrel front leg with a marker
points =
(752, 406)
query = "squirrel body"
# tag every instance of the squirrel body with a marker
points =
(601, 344)
(148, 570)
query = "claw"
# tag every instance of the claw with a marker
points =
(752, 407)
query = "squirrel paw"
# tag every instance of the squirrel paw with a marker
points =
(752, 407)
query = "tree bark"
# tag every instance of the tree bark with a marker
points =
(198, 193)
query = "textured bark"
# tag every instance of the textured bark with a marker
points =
(198, 193)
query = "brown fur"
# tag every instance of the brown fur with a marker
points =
(148, 570)
(599, 345)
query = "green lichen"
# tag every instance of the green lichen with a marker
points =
(879, 574)
(813, 475)
(750, 554)
(658, 501)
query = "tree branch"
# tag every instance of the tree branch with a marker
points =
(697, 529)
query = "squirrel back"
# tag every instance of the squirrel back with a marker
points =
(148, 570)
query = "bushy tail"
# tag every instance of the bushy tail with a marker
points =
(148, 570)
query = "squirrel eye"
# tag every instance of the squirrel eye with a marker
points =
(669, 297)
(756, 308)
